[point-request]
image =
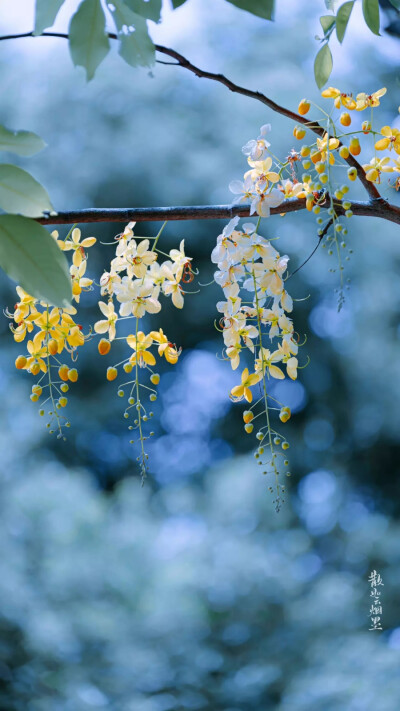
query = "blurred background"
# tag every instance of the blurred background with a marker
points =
(191, 592)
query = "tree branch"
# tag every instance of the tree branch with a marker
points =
(258, 96)
(207, 212)
(181, 61)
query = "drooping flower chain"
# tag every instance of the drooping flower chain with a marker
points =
(254, 321)
(136, 280)
(54, 333)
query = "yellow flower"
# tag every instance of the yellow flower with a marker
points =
(75, 337)
(341, 99)
(292, 189)
(67, 331)
(77, 246)
(265, 362)
(47, 320)
(25, 306)
(140, 346)
(166, 349)
(375, 167)
(391, 139)
(36, 352)
(261, 172)
(365, 100)
(79, 281)
(108, 324)
(323, 146)
(243, 390)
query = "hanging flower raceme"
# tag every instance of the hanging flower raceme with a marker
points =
(251, 273)
(132, 289)
(50, 332)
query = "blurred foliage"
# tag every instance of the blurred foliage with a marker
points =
(192, 593)
(193, 600)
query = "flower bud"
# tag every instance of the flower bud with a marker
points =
(63, 372)
(305, 151)
(366, 127)
(316, 156)
(20, 362)
(299, 133)
(155, 378)
(104, 346)
(355, 148)
(112, 373)
(352, 174)
(345, 119)
(304, 107)
(344, 152)
(247, 416)
(249, 428)
(63, 401)
(285, 414)
(52, 346)
(73, 375)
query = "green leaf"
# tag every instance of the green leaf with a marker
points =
(177, 3)
(151, 9)
(395, 3)
(371, 14)
(88, 40)
(323, 66)
(136, 47)
(31, 256)
(342, 18)
(327, 21)
(23, 143)
(20, 193)
(46, 13)
(261, 8)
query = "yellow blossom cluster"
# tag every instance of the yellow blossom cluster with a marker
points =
(51, 332)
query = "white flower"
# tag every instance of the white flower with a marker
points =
(172, 287)
(245, 190)
(107, 325)
(136, 297)
(257, 150)
(262, 203)
(139, 258)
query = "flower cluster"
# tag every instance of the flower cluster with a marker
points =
(257, 186)
(251, 273)
(53, 332)
(136, 280)
(388, 137)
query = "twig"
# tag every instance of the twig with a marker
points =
(320, 238)
(257, 95)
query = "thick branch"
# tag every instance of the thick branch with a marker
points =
(181, 61)
(207, 212)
